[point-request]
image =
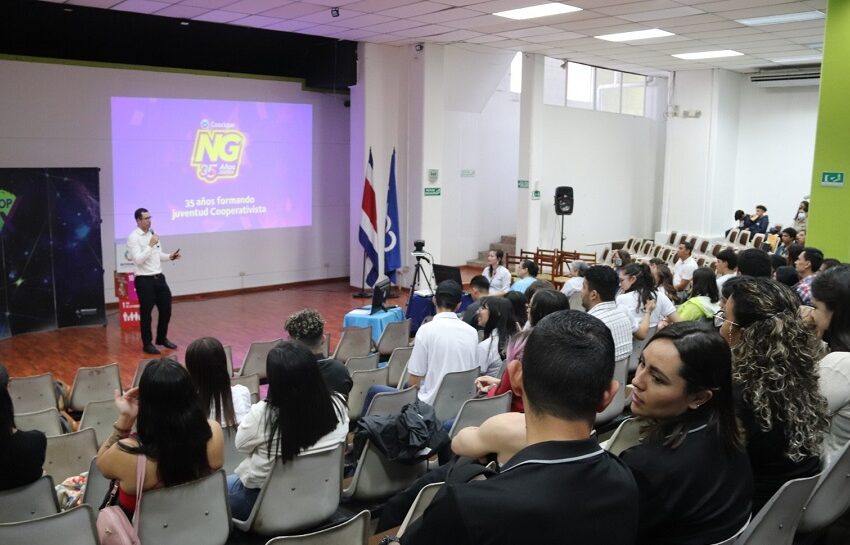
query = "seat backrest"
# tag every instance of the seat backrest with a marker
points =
(355, 341)
(757, 241)
(732, 236)
(31, 501)
(396, 364)
(422, 501)
(326, 344)
(703, 246)
(228, 358)
(354, 531)
(252, 382)
(377, 478)
(454, 389)
(72, 527)
(45, 421)
(831, 497)
(96, 486)
(143, 364)
(646, 248)
(255, 359)
(619, 401)
(388, 403)
(361, 382)
(232, 456)
(474, 412)
(743, 238)
(298, 494)
(94, 384)
(625, 436)
(362, 363)
(671, 240)
(777, 521)
(637, 348)
(30, 394)
(70, 454)
(99, 416)
(395, 335)
(194, 513)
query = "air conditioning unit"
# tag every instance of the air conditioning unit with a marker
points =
(787, 77)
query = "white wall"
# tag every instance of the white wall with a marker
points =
(776, 145)
(59, 116)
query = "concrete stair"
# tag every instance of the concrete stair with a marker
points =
(507, 244)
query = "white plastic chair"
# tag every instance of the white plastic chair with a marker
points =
(397, 364)
(362, 363)
(637, 348)
(46, 421)
(298, 494)
(354, 531)
(776, 522)
(831, 497)
(255, 359)
(377, 478)
(454, 389)
(252, 382)
(385, 403)
(474, 412)
(228, 358)
(618, 403)
(31, 501)
(70, 454)
(99, 416)
(355, 341)
(31, 394)
(72, 527)
(627, 435)
(96, 486)
(194, 513)
(232, 456)
(361, 382)
(94, 384)
(395, 335)
(420, 504)
(137, 376)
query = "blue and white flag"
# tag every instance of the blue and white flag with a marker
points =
(392, 251)
(368, 233)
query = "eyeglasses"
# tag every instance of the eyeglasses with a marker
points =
(720, 317)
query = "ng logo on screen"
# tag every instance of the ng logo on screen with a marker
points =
(218, 151)
(7, 201)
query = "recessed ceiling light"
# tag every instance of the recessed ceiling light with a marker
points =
(636, 35)
(707, 54)
(798, 60)
(542, 10)
(781, 19)
(184, 23)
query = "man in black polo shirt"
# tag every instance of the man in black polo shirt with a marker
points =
(561, 488)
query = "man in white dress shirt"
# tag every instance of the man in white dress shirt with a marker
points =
(146, 253)
(683, 270)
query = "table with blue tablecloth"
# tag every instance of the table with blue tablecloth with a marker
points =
(422, 306)
(361, 317)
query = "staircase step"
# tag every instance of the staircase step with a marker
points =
(506, 248)
(509, 239)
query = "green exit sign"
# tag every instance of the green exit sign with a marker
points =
(522, 184)
(432, 191)
(535, 195)
(832, 179)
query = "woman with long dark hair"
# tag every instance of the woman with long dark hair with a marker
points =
(831, 316)
(641, 301)
(774, 370)
(496, 273)
(207, 365)
(519, 307)
(299, 413)
(21, 452)
(692, 470)
(663, 278)
(704, 299)
(173, 433)
(496, 317)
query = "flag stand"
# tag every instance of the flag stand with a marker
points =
(362, 294)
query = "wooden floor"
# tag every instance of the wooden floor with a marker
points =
(236, 320)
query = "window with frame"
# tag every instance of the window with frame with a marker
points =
(579, 85)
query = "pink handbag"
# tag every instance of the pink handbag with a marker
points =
(113, 528)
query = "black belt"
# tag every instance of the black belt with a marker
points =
(160, 275)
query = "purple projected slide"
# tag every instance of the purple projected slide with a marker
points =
(203, 166)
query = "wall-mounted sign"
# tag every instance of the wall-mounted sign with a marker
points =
(432, 191)
(522, 184)
(467, 173)
(433, 175)
(832, 179)
(535, 195)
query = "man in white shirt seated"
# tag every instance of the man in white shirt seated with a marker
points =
(597, 296)
(444, 345)
(683, 270)
(727, 267)
(574, 284)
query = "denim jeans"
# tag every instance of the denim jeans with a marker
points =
(241, 498)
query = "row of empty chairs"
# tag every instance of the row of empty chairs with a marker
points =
(552, 265)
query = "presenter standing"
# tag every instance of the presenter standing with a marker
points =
(146, 253)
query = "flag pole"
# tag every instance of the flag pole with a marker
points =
(362, 294)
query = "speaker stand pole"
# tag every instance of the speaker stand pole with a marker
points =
(562, 232)
(362, 294)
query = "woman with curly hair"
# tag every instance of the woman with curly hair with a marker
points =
(774, 369)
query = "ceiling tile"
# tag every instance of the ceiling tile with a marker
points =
(458, 35)
(181, 12)
(325, 17)
(140, 6)
(375, 6)
(636, 7)
(393, 26)
(411, 10)
(504, 27)
(596, 4)
(548, 38)
(365, 20)
(256, 21)
(476, 22)
(427, 30)
(356, 35)
(683, 11)
(255, 6)
(290, 26)
(588, 24)
(330, 3)
(98, 3)
(211, 4)
(385, 38)
(778, 9)
(533, 31)
(484, 38)
(446, 15)
(294, 10)
(704, 27)
(727, 5)
(322, 30)
(219, 16)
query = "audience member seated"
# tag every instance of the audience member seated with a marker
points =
(496, 317)
(692, 469)
(776, 262)
(726, 266)
(173, 433)
(831, 316)
(576, 281)
(497, 386)
(794, 252)
(598, 296)
(704, 300)
(308, 327)
(300, 413)
(786, 239)
(527, 273)
(828, 263)
(562, 483)
(801, 218)
(534, 287)
(642, 302)
(739, 221)
(444, 345)
(758, 221)
(479, 287)
(21, 452)
(496, 273)
(207, 365)
(620, 258)
(774, 364)
(683, 269)
(519, 307)
(786, 275)
(662, 276)
(754, 262)
(808, 265)
(801, 237)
